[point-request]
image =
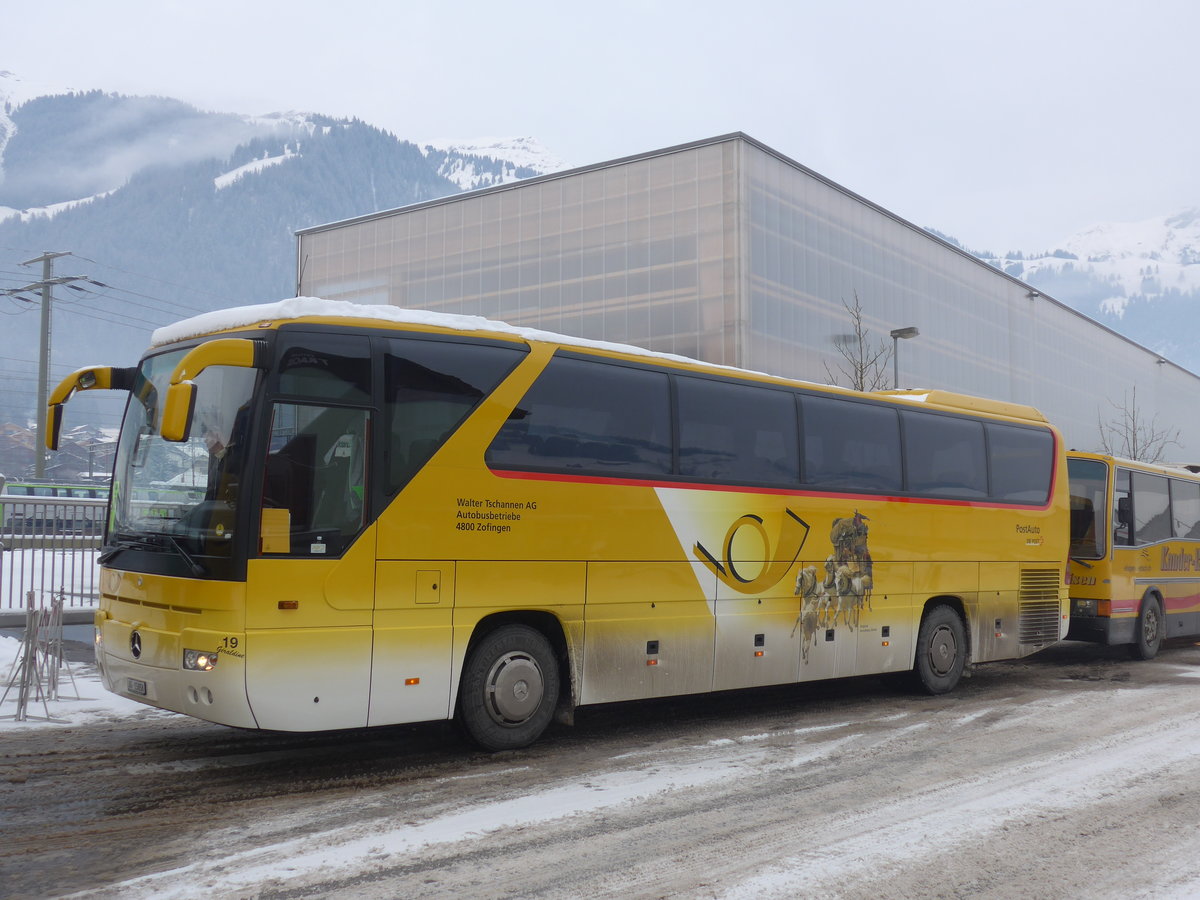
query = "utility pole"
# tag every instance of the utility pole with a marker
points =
(48, 281)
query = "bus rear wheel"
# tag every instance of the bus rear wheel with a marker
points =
(509, 688)
(941, 650)
(1148, 635)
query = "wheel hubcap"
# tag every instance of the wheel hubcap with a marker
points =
(943, 650)
(514, 689)
(1150, 626)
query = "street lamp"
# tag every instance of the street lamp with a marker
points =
(897, 334)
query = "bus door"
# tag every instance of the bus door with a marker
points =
(310, 591)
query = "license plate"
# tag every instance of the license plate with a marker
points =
(137, 687)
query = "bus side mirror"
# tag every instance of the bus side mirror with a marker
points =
(180, 402)
(1124, 512)
(178, 411)
(89, 379)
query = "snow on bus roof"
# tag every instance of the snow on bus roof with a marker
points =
(301, 307)
(306, 307)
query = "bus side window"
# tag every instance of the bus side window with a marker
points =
(1151, 508)
(1021, 463)
(590, 416)
(733, 432)
(318, 476)
(1185, 508)
(1122, 520)
(943, 455)
(430, 387)
(850, 445)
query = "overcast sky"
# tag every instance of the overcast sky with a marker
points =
(1009, 125)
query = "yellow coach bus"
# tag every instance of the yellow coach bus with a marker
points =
(1135, 552)
(409, 517)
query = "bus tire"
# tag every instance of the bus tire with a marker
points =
(509, 688)
(941, 650)
(1148, 633)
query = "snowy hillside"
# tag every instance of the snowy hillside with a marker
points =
(483, 162)
(1139, 278)
(15, 90)
(1136, 259)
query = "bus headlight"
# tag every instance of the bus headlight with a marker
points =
(1083, 607)
(199, 660)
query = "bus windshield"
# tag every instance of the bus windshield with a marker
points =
(179, 498)
(1089, 483)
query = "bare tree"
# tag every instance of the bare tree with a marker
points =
(864, 362)
(1130, 435)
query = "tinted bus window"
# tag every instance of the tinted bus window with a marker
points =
(1088, 480)
(850, 446)
(944, 456)
(590, 416)
(1185, 508)
(1021, 462)
(731, 432)
(326, 367)
(1122, 512)
(430, 387)
(1151, 508)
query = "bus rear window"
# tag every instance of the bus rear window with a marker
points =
(1022, 463)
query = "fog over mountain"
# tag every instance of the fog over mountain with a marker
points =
(169, 211)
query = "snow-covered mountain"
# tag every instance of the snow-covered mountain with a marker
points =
(1139, 278)
(167, 211)
(483, 162)
(115, 137)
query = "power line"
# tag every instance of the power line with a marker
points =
(160, 281)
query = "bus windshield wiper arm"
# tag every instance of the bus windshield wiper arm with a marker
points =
(121, 543)
(157, 542)
(197, 569)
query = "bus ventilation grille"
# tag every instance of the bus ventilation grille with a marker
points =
(1039, 616)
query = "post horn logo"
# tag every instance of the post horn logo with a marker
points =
(778, 559)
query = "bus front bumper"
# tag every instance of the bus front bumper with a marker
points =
(215, 695)
(1101, 629)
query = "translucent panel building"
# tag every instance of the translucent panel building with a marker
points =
(728, 251)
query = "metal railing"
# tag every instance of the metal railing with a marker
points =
(50, 546)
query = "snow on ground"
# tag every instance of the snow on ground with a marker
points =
(966, 810)
(82, 699)
(1035, 758)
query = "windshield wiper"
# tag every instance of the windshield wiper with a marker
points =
(121, 543)
(160, 542)
(197, 569)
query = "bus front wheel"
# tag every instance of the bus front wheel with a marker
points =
(509, 688)
(1148, 635)
(941, 650)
